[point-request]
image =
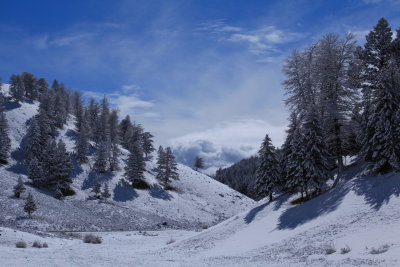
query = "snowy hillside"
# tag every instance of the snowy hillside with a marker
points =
(360, 215)
(198, 201)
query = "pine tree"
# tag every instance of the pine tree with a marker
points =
(316, 161)
(19, 188)
(5, 142)
(106, 193)
(41, 86)
(135, 167)
(61, 168)
(30, 205)
(161, 164)
(29, 82)
(171, 169)
(198, 163)
(267, 170)
(124, 126)
(36, 174)
(33, 147)
(82, 142)
(96, 188)
(17, 89)
(114, 154)
(148, 147)
(101, 163)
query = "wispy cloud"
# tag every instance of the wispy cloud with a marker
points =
(260, 41)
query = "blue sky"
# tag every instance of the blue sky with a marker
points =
(198, 74)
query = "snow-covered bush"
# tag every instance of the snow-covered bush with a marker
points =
(37, 244)
(330, 250)
(45, 245)
(21, 244)
(345, 250)
(92, 239)
(380, 250)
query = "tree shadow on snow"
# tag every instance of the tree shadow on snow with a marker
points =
(72, 135)
(19, 167)
(377, 191)
(277, 204)
(91, 178)
(124, 192)
(312, 209)
(320, 205)
(10, 105)
(77, 168)
(157, 191)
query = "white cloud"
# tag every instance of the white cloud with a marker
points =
(71, 39)
(225, 143)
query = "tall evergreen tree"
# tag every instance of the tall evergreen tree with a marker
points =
(148, 147)
(268, 169)
(198, 163)
(36, 174)
(101, 162)
(61, 168)
(135, 166)
(316, 161)
(17, 89)
(106, 193)
(5, 141)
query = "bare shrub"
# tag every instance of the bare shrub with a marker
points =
(345, 250)
(170, 241)
(330, 250)
(92, 239)
(380, 250)
(37, 244)
(21, 244)
(74, 235)
(45, 245)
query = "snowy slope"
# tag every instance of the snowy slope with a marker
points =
(360, 213)
(198, 202)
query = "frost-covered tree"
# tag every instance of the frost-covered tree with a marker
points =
(268, 169)
(198, 163)
(33, 146)
(41, 86)
(5, 142)
(106, 193)
(135, 166)
(114, 140)
(124, 127)
(114, 157)
(82, 142)
(19, 188)
(148, 147)
(30, 205)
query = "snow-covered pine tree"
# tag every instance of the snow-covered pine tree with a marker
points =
(41, 86)
(36, 174)
(33, 146)
(19, 188)
(385, 120)
(316, 161)
(17, 90)
(198, 163)
(30, 205)
(96, 187)
(82, 142)
(171, 167)
(268, 178)
(61, 168)
(106, 193)
(124, 126)
(375, 57)
(135, 166)
(114, 157)
(114, 140)
(161, 164)
(101, 162)
(29, 82)
(5, 142)
(148, 147)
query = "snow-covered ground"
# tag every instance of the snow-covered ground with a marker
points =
(360, 213)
